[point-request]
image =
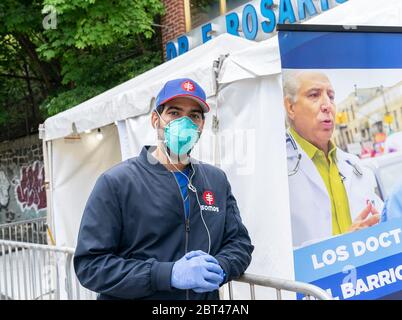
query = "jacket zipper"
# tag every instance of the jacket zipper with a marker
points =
(186, 222)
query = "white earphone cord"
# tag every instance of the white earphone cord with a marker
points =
(193, 189)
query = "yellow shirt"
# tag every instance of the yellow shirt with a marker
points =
(329, 173)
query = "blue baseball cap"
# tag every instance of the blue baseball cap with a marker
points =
(183, 87)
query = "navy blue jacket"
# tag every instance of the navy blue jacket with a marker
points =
(134, 228)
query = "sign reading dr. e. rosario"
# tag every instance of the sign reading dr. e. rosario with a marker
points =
(365, 264)
(255, 20)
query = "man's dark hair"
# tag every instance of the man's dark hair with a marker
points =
(160, 108)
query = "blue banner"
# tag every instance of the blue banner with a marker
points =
(356, 81)
(365, 264)
(371, 281)
(352, 249)
(340, 50)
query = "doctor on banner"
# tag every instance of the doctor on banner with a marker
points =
(330, 193)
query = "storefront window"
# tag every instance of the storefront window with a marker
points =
(233, 4)
(203, 11)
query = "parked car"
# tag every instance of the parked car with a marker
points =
(387, 169)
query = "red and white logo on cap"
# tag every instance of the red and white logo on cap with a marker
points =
(188, 86)
(209, 198)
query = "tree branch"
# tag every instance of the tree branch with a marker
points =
(8, 75)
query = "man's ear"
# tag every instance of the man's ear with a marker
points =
(154, 119)
(289, 107)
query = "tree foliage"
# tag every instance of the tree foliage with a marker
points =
(55, 54)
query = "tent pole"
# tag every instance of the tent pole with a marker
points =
(217, 65)
(47, 163)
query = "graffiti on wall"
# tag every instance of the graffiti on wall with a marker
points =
(30, 190)
(22, 180)
(22, 192)
(4, 189)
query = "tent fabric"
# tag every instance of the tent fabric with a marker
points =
(76, 164)
(134, 97)
(252, 149)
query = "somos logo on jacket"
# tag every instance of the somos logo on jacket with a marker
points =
(209, 200)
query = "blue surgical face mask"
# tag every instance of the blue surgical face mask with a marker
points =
(181, 135)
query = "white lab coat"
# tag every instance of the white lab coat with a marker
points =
(310, 205)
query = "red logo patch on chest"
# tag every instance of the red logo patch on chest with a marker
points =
(209, 198)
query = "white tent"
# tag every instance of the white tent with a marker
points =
(248, 145)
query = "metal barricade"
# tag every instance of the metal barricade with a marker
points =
(31, 271)
(280, 285)
(32, 231)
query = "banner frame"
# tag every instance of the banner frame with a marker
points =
(338, 28)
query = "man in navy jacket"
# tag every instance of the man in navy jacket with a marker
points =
(162, 225)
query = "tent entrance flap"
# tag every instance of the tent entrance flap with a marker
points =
(76, 164)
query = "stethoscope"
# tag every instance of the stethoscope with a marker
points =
(289, 139)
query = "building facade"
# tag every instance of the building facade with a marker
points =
(190, 23)
(181, 16)
(367, 116)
